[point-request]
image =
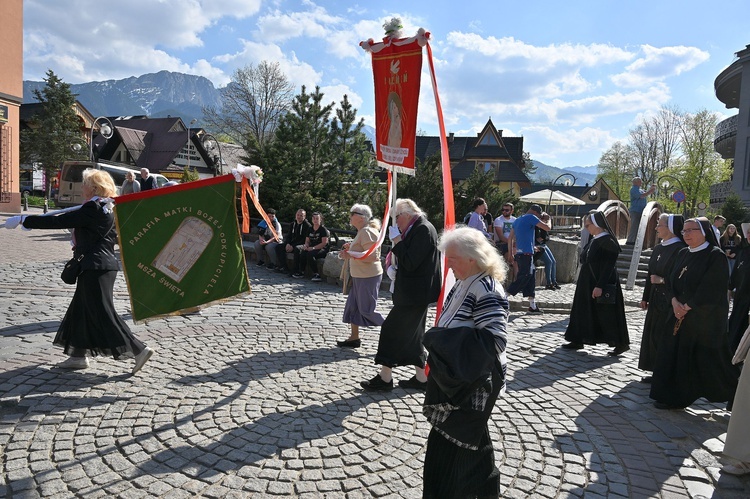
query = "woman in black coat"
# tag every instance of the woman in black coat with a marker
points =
(656, 294)
(91, 325)
(694, 359)
(592, 322)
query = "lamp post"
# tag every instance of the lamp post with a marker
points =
(187, 145)
(209, 143)
(665, 182)
(106, 130)
(567, 183)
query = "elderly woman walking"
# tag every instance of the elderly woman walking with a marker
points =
(417, 284)
(91, 325)
(470, 339)
(366, 275)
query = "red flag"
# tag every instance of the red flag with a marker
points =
(397, 70)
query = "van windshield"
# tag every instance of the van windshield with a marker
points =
(73, 173)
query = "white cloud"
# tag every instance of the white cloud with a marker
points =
(335, 94)
(83, 40)
(299, 72)
(657, 64)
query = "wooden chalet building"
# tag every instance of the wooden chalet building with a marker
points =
(488, 151)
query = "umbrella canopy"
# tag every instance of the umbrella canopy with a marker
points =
(551, 198)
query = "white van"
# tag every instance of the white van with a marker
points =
(71, 178)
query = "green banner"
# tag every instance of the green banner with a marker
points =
(181, 247)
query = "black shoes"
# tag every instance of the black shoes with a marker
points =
(535, 310)
(646, 379)
(552, 287)
(260, 263)
(618, 350)
(377, 384)
(413, 383)
(298, 275)
(350, 344)
(573, 346)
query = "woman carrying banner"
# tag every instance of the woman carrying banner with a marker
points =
(91, 325)
(366, 275)
(594, 319)
(460, 459)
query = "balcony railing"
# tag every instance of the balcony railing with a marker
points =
(725, 137)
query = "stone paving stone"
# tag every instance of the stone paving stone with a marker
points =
(254, 413)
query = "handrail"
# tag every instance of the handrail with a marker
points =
(651, 208)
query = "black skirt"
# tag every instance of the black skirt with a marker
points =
(451, 471)
(91, 323)
(401, 337)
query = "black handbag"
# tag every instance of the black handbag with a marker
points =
(72, 270)
(609, 292)
(608, 296)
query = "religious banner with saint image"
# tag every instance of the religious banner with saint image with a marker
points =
(397, 70)
(181, 248)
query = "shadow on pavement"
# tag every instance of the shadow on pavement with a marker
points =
(629, 448)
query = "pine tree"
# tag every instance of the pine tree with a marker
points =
(352, 174)
(52, 132)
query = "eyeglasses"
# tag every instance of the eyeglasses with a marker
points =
(686, 231)
(357, 213)
(506, 211)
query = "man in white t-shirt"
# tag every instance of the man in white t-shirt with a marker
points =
(502, 225)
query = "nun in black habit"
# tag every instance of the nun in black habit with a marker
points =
(694, 360)
(739, 284)
(657, 297)
(591, 321)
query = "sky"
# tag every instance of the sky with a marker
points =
(571, 77)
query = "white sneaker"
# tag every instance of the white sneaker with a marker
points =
(738, 469)
(142, 358)
(74, 363)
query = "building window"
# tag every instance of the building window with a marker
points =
(488, 140)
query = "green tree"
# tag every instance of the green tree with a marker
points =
(700, 164)
(426, 189)
(318, 163)
(352, 175)
(480, 184)
(735, 212)
(616, 168)
(189, 175)
(48, 139)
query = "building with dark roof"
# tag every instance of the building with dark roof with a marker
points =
(489, 151)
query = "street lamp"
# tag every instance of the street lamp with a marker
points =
(665, 182)
(106, 130)
(568, 182)
(209, 144)
(187, 146)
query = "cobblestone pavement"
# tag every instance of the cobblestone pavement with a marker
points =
(251, 399)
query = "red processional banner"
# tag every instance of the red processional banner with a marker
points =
(397, 69)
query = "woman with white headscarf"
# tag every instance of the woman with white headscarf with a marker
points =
(694, 360)
(656, 294)
(592, 319)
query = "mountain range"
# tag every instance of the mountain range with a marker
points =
(168, 93)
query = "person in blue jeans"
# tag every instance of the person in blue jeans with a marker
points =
(522, 241)
(545, 254)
